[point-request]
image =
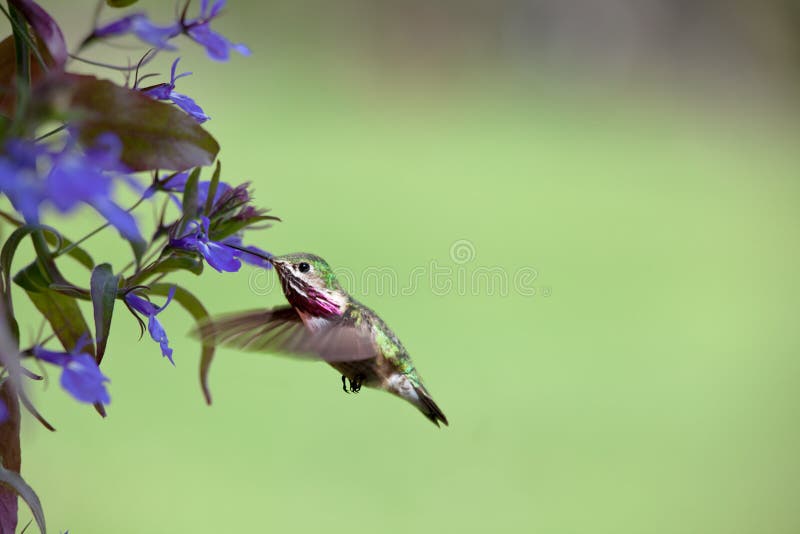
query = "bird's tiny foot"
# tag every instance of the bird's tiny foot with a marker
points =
(344, 384)
(355, 383)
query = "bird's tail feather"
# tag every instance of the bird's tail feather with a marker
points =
(428, 407)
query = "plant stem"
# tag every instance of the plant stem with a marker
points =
(11, 456)
(51, 132)
(9, 429)
(129, 68)
(19, 27)
(94, 232)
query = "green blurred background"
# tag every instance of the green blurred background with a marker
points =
(641, 158)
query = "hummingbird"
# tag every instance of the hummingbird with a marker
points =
(324, 322)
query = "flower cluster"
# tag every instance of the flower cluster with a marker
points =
(34, 174)
(217, 236)
(148, 141)
(70, 141)
(197, 29)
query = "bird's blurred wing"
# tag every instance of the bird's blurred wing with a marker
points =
(281, 330)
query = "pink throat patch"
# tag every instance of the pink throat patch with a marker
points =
(314, 303)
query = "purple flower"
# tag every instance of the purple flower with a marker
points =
(166, 91)
(80, 375)
(150, 310)
(139, 25)
(199, 30)
(217, 47)
(19, 177)
(218, 255)
(177, 183)
(31, 174)
(77, 177)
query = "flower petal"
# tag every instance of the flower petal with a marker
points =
(22, 187)
(118, 218)
(215, 44)
(241, 48)
(216, 8)
(170, 294)
(117, 27)
(159, 335)
(189, 106)
(141, 305)
(81, 378)
(161, 91)
(50, 356)
(220, 257)
(140, 25)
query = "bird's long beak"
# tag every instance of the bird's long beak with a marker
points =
(279, 265)
(263, 257)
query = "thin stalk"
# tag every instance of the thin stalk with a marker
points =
(129, 68)
(23, 64)
(148, 261)
(20, 29)
(94, 232)
(52, 132)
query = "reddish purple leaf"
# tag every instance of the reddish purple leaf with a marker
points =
(154, 135)
(8, 73)
(10, 451)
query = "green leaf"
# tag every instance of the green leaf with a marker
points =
(154, 135)
(10, 359)
(75, 252)
(10, 248)
(33, 277)
(190, 207)
(64, 316)
(70, 291)
(104, 286)
(196, 309)
(179, 261)
(23, 397)
(36, 277)
(7, 256)
(120, 3)
(6, 259)
(18, 484)
(212, 188)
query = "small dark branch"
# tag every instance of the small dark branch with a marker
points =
(129, 68)
(51, 132)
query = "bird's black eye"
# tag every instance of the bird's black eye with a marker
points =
(304, 267)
